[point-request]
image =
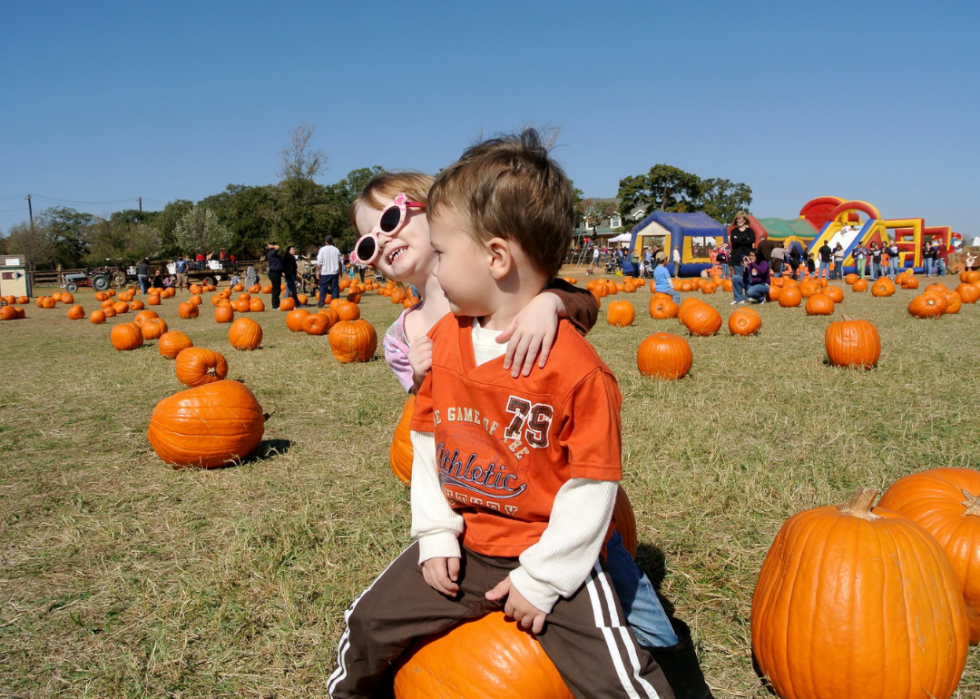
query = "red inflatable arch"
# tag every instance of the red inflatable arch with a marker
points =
(849, 206)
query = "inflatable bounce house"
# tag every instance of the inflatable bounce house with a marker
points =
(865, 225)
(694, 234)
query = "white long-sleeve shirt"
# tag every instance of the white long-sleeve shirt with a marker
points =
(329, 261)
(560, 561)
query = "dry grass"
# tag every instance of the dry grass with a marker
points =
(120, 576)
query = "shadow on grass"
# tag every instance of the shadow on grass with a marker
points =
(267, 449)
(653, 562)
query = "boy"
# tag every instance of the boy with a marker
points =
(661, 279)
(524, 471)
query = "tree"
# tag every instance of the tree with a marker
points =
(199, 231)
(249, 213)
(33, 243)
(594, 211)
(723, 199)
(68, 231)
(299, 159)
(668, 188)
(165, 222)
(121, 241)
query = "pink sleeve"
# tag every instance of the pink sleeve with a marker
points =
(395, 345)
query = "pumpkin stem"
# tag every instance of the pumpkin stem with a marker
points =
(844, 317)
(860, 504)
(972, 503)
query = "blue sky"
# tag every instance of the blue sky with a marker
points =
(104, 102)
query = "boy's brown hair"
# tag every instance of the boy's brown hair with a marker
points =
(510, 188)
(388, 185)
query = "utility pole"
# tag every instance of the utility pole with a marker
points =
(140, 200)
(30, 210)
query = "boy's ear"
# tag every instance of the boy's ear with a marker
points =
(500, 257)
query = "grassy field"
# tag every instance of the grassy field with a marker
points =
(122, 577)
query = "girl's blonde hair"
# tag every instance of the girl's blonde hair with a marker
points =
(387, 185)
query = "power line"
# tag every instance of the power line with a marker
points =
(69, 201)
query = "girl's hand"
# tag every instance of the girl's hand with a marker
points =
(531, 334)
(420, 358)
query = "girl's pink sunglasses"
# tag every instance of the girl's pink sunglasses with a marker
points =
(392, 218)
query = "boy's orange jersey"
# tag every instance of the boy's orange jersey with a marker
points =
(505, 446)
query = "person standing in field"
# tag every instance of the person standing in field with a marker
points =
(838, 262)
(143, 275)
(823, 269)
(289, 273)
(860, 256)
(331, 266)
(275, 272)
(742, 240)
(180, 269)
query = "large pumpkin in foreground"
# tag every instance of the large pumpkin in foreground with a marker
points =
(401, 453)
(853, 603)
(488, 658)
(207, 426)
(946, 503)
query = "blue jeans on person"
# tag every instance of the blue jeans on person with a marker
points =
(758, 292)
(738, 287)
(144, 282)
(940, 267)
(641, 606)
(673, 294)
(823, 268)
(724, 270)
(929, 262)
(290, 280)
(329, 282)
(892, 267)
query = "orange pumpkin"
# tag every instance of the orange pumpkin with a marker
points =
(241, 305)
(120, 307)
(153, 300)
(173, 343)
(508, 662)
(294, 319)
(153, 328)
(946, 503)
(744, 321)
(835, 293)
(245, 334)
(207, 426)
(663, 307)
(287, 304)
(866, 585)
(76, 313)
(8, 313)
(143, 316)
(620, 314)
(347, 310)
(701, 319)
(969, 293)
(187, 310)
(256, 305)
(126, 337)
(819, 305)
(664, 356)
(401, 453)
(852, 343)
(197, 366)
(790, 297)
(224, 314)
(927, 305)
(953, 302)
(97, 317)
(861, 285)
(883, 287)
(353, 341)
(316, 324)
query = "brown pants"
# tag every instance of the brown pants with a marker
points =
(585, 636)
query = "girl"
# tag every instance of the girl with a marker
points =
(389, 215)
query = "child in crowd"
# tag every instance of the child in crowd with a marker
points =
(811, 266)
(661, 278)
(550, 533)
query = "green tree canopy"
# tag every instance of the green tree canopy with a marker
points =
(199, 231)
(668, 188)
